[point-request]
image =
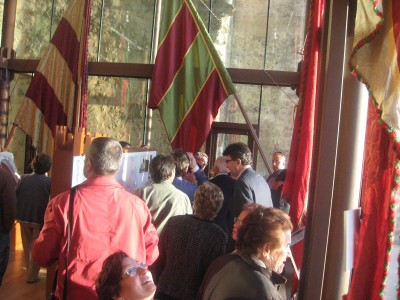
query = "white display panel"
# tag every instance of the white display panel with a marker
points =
(133, 172)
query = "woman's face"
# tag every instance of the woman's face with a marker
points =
(278, 256)
(137, 285)
(238, 223)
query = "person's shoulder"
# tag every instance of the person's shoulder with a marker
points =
(60, 200)
(45, 177)
(6, 175)
(217, 231)
(222, 178)
(222, 261)
(179, 219)
(176, 223)
(250, 175)
(282, 175)
(131, 197)
(179, 193)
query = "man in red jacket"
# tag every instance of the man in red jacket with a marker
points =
(106, 218)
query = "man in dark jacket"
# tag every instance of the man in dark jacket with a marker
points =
(7, 217)
(250, 186)
(225, 182)
(33, 193)
(277, 178)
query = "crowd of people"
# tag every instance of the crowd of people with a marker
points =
(182, 236)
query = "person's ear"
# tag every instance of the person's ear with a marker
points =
(265, 251)
(88, 165)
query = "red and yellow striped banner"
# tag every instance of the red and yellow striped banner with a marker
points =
(54, 94)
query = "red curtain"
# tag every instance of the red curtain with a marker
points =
(296, 186)
(375, 62)
(377, 185)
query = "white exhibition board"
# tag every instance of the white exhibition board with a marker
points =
(133, 172)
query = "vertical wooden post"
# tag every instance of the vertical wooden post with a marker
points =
(7, 41)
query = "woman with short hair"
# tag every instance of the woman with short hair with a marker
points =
(263, 241)
(122, 277)
(188, 244)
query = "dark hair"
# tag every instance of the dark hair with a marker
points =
(208, 200)
(239, 150)
(278, 153)
(262, 225)
(41, 163)
(181, 162)
(107, 282)
(161, 167)
(125, 145)
(105, 155)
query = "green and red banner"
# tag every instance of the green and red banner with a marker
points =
(375, 61)
(189, 81)
(57, 94)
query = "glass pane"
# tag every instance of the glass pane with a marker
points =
(276, 123)
(32, 28)
(249, 97)
(159, 138)
(117, 107)
(203, 8)
(18, 88)
(270, 39)
(285, 40)
(126, 31)
(223, 140)
(249, 19)
(95, 18)
(59, 9)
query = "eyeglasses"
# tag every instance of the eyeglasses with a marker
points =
(131, 270)
(229, 160)
(237, 220)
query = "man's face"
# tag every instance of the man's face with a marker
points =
(233, 166)
(278, 162)
(201, 162)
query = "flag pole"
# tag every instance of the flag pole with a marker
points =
(253, 133)
(10, 136)
(149, 121)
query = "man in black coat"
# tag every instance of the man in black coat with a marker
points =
(225, 183)
(250, 186)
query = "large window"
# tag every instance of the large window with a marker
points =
(248, 34)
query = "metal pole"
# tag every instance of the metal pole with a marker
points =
(253, 133)
(149, 112)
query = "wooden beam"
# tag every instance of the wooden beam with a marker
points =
(145, 71)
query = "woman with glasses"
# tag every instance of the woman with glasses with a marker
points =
(122, 277)
(238, 221)
(252, 271)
